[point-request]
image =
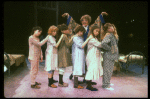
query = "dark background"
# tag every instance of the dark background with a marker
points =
(130, 18)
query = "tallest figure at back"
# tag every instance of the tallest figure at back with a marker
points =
(85, 21)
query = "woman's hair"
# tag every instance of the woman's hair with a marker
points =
(95, 26)
(106, 26)
(79, 28)
(115, 32)
(51, 29)
(87, 17)
(59, 29)
(36, 28)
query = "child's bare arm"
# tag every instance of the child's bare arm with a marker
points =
(37, 43)
(83, 45)
(59, 41)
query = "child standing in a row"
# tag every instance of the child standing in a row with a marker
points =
(111, 53)
(35, 53)
(78, 55)
(51, 62)
(93, 58)
(64, 57)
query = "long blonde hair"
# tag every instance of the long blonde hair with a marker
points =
(106, 28)
(115, 32)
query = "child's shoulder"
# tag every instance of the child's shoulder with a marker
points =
(107, 34)
(92, 40)
(50, 36)
(77, 38)
(30, 37)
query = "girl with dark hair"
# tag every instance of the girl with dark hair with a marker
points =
(78, 55)
(35, 53)
(64, 57)
(93, 58)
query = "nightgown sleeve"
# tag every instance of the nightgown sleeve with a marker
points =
(78, 42)
(37, 43)
(52, 41)
(95, 43)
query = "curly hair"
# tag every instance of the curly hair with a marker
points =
(51, 29)
(79, 28)
(106, 26)
(87, 17)
(115, 32)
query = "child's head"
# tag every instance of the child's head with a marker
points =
(52, 30)
(63, 28)
(36, 31)
(95, 31)
(79, 30)
(85, 20)
(108, 27)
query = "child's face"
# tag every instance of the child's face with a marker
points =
(80, 33)
(65, 31)
(85, 22)
(110, 29)
(54, 33)
(37, 33)
(96, 32)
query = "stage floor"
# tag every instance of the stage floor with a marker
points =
(130, 84)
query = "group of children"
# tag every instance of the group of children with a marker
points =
(86, 44)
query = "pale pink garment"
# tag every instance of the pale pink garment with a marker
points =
(35, 53)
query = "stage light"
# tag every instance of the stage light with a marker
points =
(130, 35)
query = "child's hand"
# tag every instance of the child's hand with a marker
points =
(75, 36)
(104, 13)
(47, 36)
(91, 36)
(106, 34)
(65, 14)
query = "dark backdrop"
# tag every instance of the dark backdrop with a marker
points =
(130, 18)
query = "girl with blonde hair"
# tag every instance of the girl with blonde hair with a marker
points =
(51, 60)
(110, 55)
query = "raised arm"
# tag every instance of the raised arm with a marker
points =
(70, 22)
(100, 19)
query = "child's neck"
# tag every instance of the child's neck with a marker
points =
(52, 35)
(35, 36)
